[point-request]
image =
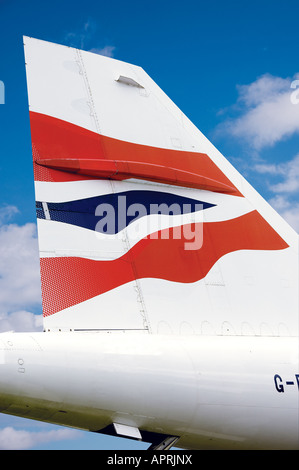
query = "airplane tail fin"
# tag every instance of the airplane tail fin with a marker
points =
(143, 225)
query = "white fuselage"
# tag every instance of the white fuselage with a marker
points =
(215, 392)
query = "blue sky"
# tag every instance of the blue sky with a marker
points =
(229, 65)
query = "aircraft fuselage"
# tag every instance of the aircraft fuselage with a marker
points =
(223, 392)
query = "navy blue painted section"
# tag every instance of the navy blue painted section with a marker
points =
(39, 210)
(111, 213)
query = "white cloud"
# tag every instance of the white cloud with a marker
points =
(7, 212)
(268, 168)
(21, 320)
(82, 36)
(286, 189)
(86, 38)
(108, 51)
(265, 88)
(267, 113)
(289, 210)
(289, 172)
(19, 268)
(20, 289)
(13, 439)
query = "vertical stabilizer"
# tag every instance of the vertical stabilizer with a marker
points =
(143, 225)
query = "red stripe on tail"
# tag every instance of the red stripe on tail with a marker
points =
(67, 281)
(55, 139)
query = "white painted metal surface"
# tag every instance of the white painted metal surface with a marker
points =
(81, 88)
(213, 392)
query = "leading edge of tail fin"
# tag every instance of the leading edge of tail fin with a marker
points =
(142, 224)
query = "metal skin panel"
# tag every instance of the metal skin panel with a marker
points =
(84, 118)
(213, 392)
(81, 88)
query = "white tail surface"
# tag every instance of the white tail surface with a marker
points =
(143, 225)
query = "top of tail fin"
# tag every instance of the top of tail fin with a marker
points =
(143, 225)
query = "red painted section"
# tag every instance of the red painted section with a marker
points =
(120, 170)
(54, 139)
(67, 281)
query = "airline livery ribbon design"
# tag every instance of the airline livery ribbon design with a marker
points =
(162, 254)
